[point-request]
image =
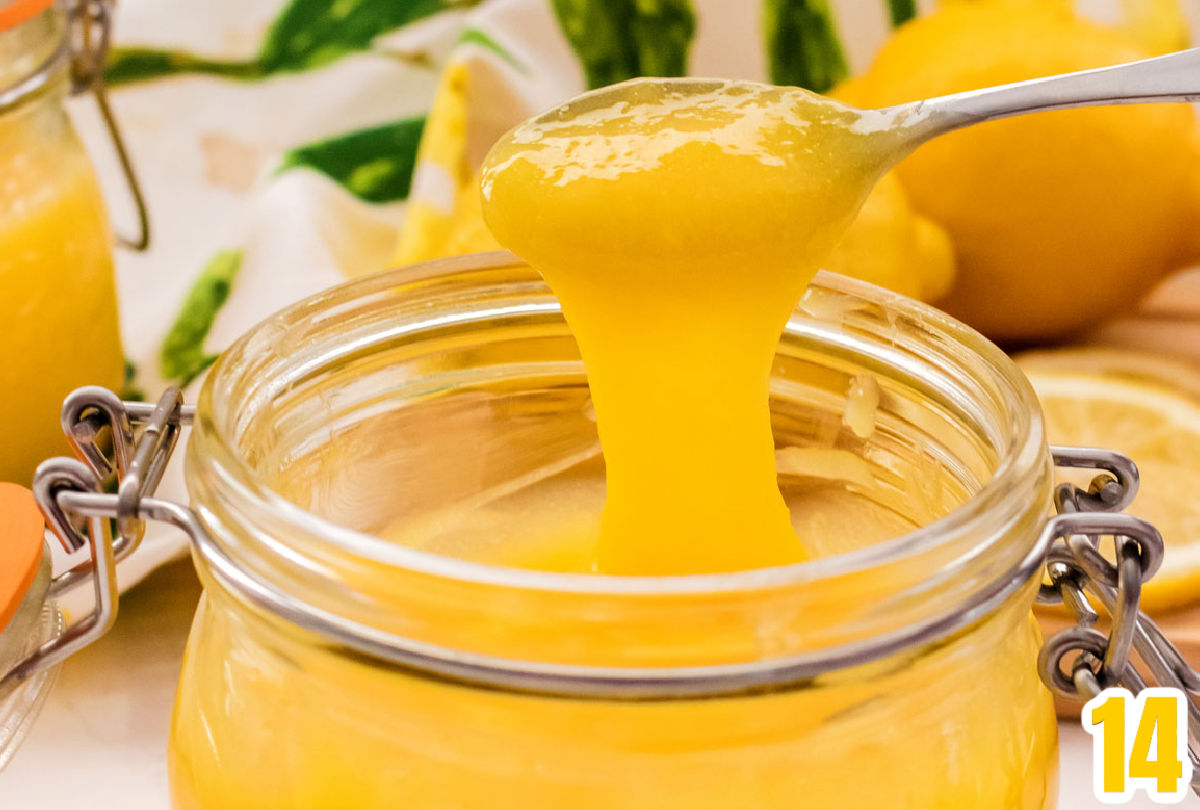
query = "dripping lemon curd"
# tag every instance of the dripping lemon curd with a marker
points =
(678, 222)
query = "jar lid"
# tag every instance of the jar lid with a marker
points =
(22, 537)
(15, 12)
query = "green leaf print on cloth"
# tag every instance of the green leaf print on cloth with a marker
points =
(182, 358)
(307, 34)
(481, 38)
(311, 33)
(902, 11)
(374, 164)
(128, 65)
(803, 49)
(617, 40)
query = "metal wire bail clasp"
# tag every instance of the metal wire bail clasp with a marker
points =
(90, 36)
(1080, 577)
(124, 445)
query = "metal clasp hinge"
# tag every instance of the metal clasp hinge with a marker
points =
(90, 35)
(122, 443)
(1080, 577)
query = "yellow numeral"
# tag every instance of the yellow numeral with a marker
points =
(1156, 760)
(1108, 718)
(1158, 713)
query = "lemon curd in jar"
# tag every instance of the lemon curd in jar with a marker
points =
(445, 406)
(797, 574)
(57, 291)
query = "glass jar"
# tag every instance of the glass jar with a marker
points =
(332, 666)
(57, 289)
(28, 615)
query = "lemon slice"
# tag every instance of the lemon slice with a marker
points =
(1131, 403)
(1128, 364)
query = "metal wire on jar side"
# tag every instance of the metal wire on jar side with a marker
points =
(83, 51)
(1079, 576)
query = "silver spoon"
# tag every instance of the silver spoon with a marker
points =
(1172, 77)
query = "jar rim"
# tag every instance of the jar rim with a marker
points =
(1025, 452)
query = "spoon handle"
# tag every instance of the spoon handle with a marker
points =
(1172, 77)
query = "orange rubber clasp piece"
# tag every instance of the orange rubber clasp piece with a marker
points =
(22, 533)
(18, 11)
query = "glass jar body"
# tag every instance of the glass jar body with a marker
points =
(331, 438)
(57, 291)
(265, 719)
(36, 621)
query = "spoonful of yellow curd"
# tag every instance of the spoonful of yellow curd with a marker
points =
(678, 221)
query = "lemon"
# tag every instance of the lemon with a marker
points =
(1128, 402)
(1128, 364)
(891, 245)
(444, 216)
(429, 234)
(1059, 219)
(1160, 25)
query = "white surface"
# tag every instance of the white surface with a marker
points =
(101, 741)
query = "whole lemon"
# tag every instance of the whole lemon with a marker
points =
(1059, 219)
(891, 245)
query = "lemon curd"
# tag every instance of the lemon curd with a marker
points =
(57, 293)
(419, 455)
(678, 223)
